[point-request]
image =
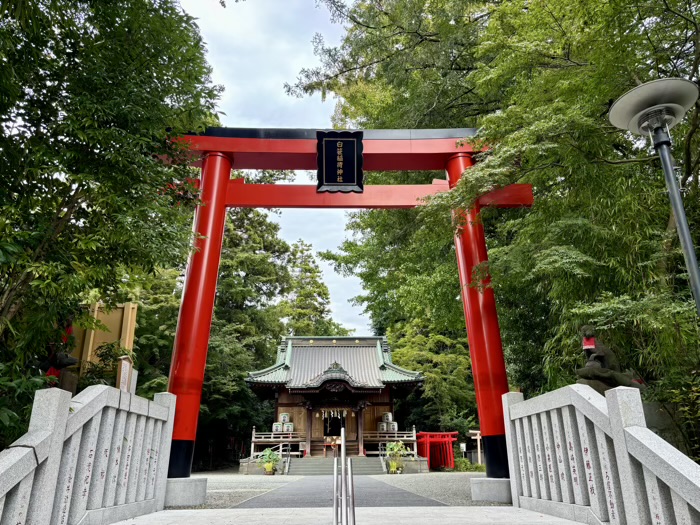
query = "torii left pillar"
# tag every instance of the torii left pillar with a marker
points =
(194, 323)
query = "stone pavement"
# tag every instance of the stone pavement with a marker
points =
(364, 516)
(317, 491)
(228, 489)
(234, 499)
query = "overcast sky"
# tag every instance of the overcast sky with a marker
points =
(254, 47)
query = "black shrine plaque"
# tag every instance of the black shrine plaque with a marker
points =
(339, 158)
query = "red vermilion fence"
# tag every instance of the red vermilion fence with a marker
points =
(436, 447)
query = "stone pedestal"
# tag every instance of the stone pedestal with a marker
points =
(491, 489)
(185, 492)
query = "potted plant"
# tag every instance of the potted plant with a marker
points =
(395, 451)
(268, 461)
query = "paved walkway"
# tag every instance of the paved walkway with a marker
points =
(364, 516)
(415, 499)
(228, 489)
(317, 491)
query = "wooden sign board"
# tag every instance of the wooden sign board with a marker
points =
(339, 161)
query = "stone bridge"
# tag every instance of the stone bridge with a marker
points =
(574, 457)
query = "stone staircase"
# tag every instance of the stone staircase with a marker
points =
(315, 466)
(353, 449)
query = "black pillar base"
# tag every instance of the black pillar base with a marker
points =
(495, 456)
(181, 454)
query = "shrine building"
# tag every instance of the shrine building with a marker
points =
(323, 384)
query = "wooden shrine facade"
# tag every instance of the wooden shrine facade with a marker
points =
(323, 384)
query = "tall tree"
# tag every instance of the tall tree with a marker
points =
(306, 309)
(246, 329)
(92, 93)
(446, 401)
(537, 79)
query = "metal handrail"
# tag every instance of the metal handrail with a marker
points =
(343, 489)
(335, 490)
(277, 448)
(283, 449)
(288, 459)
(351, 495)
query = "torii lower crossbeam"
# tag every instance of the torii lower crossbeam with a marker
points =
(242, 195)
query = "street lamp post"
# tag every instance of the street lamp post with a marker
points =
(653, 109)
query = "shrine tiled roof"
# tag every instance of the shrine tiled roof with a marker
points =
(308, 362)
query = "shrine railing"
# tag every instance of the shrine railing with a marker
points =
(382, 438)
(276, 437)
(101, 457)
(370, 436)
(578, 455)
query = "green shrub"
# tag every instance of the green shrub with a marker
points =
(464, 465)
(17, 388)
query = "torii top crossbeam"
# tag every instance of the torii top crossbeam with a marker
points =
(295, 149)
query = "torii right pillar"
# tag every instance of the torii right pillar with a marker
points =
(483, 332)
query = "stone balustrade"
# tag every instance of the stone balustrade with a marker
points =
(98, 458)
(578, 455)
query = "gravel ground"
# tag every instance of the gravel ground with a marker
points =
(451, 488)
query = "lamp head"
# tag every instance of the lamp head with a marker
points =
(659, 103)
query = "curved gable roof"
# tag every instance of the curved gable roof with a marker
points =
(308, 362)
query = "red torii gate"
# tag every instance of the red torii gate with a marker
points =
(222, 149)
(437, 449)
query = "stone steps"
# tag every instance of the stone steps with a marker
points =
(317, 447)
(324, 466)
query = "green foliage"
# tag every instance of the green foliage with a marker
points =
(464, 465)
(446, 400)
(536, 78)
(88, 92)
(395, 451)
(92, 93)
(683, 393)
(245, 331)
(103, 371)
(16, 398)
(159, 305)
(306, 310)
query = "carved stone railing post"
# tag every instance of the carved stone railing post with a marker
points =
(625, 410)
(49, 414)
(167, 400)
(513, 446)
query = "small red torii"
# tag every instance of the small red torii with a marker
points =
(222, 149)
(437, 448)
